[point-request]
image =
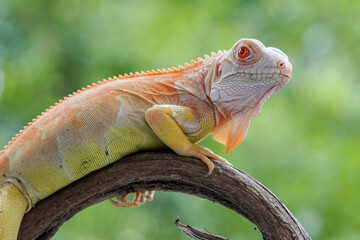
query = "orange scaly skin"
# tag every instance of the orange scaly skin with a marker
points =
(172, 108)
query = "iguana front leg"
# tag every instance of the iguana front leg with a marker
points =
(180, 127)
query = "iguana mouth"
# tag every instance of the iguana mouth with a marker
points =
(286, 75)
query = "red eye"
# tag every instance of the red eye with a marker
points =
(243, 52)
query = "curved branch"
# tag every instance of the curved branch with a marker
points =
(166, 172)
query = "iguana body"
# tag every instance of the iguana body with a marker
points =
(149, 111)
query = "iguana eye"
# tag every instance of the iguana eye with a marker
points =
(243, 52)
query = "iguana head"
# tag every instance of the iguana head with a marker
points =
(242, 79)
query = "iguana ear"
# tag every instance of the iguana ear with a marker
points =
(232, 132)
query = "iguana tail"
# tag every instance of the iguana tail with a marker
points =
(13, 206)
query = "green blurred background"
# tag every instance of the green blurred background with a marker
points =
(304, 146)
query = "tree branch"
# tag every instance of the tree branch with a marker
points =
(166, 172)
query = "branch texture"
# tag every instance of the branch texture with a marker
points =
(166, 172)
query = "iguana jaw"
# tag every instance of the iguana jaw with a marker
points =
(233, 118)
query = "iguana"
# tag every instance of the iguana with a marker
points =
(102, 123)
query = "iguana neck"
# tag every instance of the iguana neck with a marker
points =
(198, 81)
(211, 71)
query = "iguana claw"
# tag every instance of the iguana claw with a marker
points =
(139, 199)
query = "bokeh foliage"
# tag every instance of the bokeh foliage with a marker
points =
(304, 146)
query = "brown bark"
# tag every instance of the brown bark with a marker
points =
(166, 172)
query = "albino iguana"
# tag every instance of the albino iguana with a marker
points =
(102, 123)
